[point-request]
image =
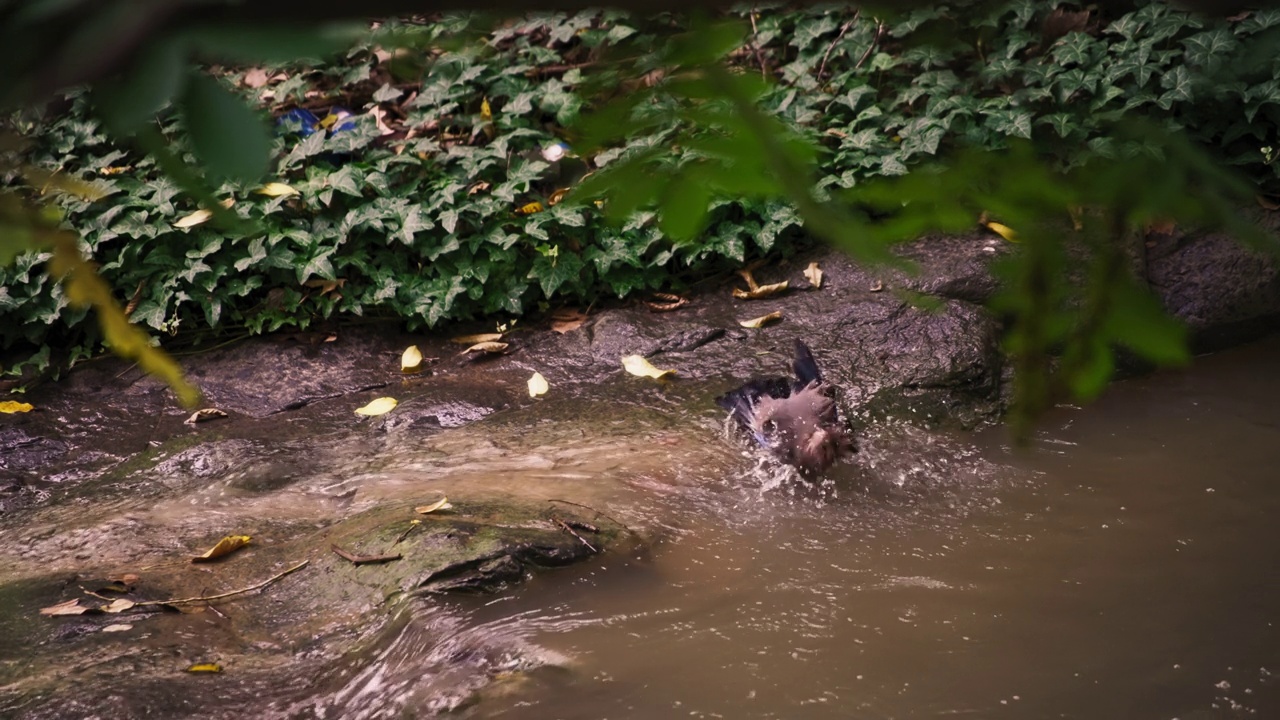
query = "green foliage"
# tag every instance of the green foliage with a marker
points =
(692, 164)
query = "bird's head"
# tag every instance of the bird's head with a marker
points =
(802, 429)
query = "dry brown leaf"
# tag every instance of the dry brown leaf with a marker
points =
(255, 78)
(761, 321)
(750, 278)
(813, 274)
(325, 286)
(225, 546)
(203, 415)
(666, 302)
(877, 286)
(1163, 226)
(557, 196)
(378, 114)
(70, 607)
(566, 320)
(760, 292)
(479, 338)
(478, 187)
(117, 627)
(491, 348)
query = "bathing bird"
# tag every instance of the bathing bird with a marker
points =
(796, 420)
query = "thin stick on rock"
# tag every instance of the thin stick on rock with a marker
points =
(364, 559)
(599, 513)
(565, 526)
(220, 596)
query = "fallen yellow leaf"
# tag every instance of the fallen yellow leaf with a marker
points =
(486, 112)
(202, 415)
(761, 321)
(637, 365)
(441, 504)
(486, 347)
(225, 546)
(13, 406)
(381, 406)
(1003, 231)
(760, 291)
(411, 360)
(277, 189)
(538, 385)
(813, 274)
(204, 668)
(196, 218)
(530, 208)
(118, 605)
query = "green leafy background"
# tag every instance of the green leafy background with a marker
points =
(427, 226)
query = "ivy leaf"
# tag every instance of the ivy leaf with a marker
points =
(553, 272)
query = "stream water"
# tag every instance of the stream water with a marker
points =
(1127, 566)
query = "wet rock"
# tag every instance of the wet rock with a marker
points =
(1224, 292)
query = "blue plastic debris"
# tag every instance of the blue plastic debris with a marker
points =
(303, 122)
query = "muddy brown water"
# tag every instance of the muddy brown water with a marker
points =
(1124, 567)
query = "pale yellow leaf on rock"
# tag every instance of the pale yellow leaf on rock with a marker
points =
(118, 627)
(487, 347)
(277, 189)
(638, 366)
(813, 274)
(473, 339)
(411, 360)
(760, 291)
(205, 414)
(381, 406)
(198, 217)
(70, 607)
(13, 406)
(118, 605)
(538, 385)
(204, 668)
(756, 323)
(441, 504)
(225, 546)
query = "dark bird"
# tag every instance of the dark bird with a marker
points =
(795, 419)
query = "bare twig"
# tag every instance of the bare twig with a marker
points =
(220, 596)
(364, 559)
(755, 43)
(565, 526)
(597, 512)
(874, 41)
(822, 66)
(413, 524)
